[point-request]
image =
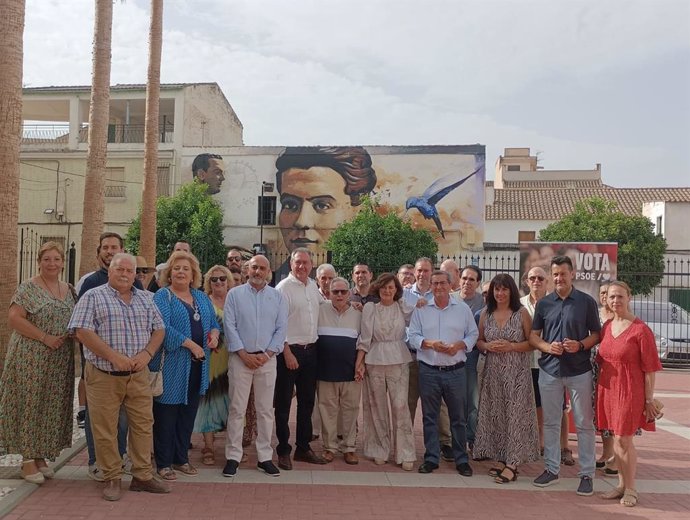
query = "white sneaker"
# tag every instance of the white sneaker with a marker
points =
(126, 464)
(95, 473)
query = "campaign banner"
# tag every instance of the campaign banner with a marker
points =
(594, 263)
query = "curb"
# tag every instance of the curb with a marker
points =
(13, 499)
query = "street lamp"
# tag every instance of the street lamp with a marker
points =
(266, 187)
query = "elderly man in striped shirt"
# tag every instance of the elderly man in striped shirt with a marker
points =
(339, 392)
(121, 330)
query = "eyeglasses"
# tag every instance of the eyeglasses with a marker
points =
(144, 270)
(234, 259)
(215, 279)
(340, 291)
(535, 278)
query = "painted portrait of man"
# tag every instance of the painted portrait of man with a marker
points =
(320, 188)
(209, 169)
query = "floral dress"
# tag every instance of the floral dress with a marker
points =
(37, 384)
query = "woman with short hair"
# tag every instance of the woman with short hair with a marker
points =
(191, 332)
(383, 364)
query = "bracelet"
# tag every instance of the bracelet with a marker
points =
(149, 353)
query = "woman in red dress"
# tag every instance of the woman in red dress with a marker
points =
(627, 360)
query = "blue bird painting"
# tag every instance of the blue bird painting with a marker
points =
(426, 204)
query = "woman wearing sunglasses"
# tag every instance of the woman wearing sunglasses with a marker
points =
(212, 415)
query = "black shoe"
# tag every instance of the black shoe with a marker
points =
(464, 469)
(230, 469)
(269, 468)
(447, 453)
(427, 467)
(284, 462)
(81, 418)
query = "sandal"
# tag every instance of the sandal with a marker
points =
(629, 497)
(502, 479)
(207, 457)
(567, 457)
(186, 469)
(613, 494)
(167, 474)
(496, 471)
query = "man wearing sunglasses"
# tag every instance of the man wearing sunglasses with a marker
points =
(143, 272)
(234, 259)
(338, 391)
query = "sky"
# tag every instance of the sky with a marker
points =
(580, 82)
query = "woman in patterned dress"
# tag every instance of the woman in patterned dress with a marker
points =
(37, 385)
(507, 424)
(212, 415)
(628, 361)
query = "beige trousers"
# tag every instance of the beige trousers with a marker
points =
(105, 394)
(384, 383)
(339, 408)
(242, 379)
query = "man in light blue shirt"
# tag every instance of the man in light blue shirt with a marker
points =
(255, 322)
(443, 332)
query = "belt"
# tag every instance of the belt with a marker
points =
(445, 368)
(303, 347)
(115, 372)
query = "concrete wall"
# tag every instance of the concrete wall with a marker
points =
(209, 120)
(506, 231)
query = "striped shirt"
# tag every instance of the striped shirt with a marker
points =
(337, 343)
(124, 327)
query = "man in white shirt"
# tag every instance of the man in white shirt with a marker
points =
(297, 364)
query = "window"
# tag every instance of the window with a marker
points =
(527, 236)
(163, 182)
(659, 225)
(267, 211)
(115, 182)
(513, 168)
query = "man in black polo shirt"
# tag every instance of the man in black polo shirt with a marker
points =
(565, 327)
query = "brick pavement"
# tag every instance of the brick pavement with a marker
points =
(382, 492)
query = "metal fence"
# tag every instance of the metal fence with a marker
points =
(30, 241)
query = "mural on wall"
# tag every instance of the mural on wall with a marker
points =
(209, 169)
(594, 263)
(440, 188)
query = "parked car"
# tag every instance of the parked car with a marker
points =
(671, 326)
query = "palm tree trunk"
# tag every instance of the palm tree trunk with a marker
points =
(11, 63)
(147, 241)
(94, 183)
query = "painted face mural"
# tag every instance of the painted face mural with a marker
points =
(318, 191)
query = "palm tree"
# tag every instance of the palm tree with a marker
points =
(11, 63)
(94, 182)
(153, 87)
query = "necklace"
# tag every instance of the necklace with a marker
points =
(196, 315)
(49, 289)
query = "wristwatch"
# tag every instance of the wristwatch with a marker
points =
(582, 346)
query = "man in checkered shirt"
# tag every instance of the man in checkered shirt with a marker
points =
(121, 330)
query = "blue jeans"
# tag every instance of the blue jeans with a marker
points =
(472, 404)
(122, 426)
(552, 396)
(450, 385)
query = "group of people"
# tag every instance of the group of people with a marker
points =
(492, 370)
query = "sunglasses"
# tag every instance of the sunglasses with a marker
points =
(535, 278)
(485, 293)
(215, 279)
(144, 270)
(340, 291)
(234, 259)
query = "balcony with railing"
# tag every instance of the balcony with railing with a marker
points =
(57, 136)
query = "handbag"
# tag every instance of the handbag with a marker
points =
(156, 378)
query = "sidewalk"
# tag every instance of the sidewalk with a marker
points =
(384, 492)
